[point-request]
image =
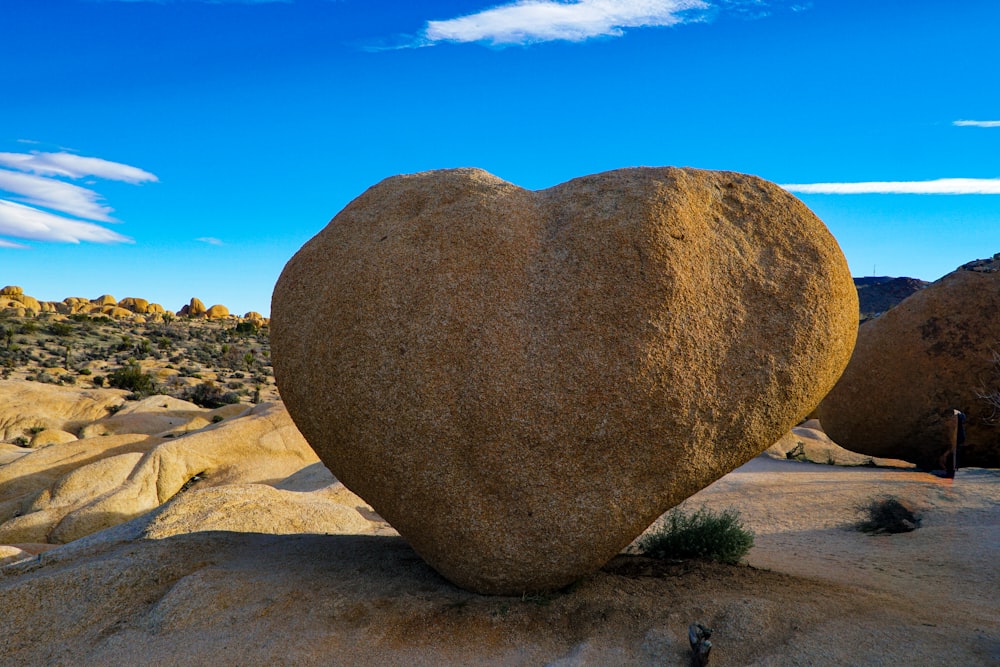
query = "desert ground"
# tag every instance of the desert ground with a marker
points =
(267, 567)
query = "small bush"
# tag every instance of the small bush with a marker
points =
(131, 377)
(208, 395)
(886, 514)
(704, 534)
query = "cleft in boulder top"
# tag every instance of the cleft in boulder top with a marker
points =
(520, 381)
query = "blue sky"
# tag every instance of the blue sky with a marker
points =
(187, 148)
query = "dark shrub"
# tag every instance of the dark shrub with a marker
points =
(886, 514)
(208, 395)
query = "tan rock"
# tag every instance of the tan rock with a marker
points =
(28, 302)
(136, 305)
(10, 452)
(28, 405)
(118, 313)
(51, 436)
(217, 312)
(159, 415)
(261, 447)
(258, 508)
(935, 351)
(105, 300)
(155, 308)
(22, 481)
(75, 489)
(473, 358)
(810, 444)
(11, 290)
(196, 308)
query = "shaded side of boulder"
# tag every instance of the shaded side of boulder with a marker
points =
(934, 352)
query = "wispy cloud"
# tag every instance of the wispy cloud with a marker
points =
(941, 186)
(207, 2)
(37, 203)
(532, 21)
(74, 166)
(210, 240)
(977, 123)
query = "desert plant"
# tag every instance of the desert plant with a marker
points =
(886, 514)
(131, 377)
(703, 534)
(208, 395)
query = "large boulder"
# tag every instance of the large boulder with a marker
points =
(217, 312)
(196, 308)
(521, 382)
(934, 352)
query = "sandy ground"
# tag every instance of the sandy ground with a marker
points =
(947, 571)
(815, 592)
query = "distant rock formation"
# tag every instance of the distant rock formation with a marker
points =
(195, 308)
(878, 294)
(14, 300)
(521, 382)
(934, 352)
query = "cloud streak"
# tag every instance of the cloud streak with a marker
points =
(36, 202)
(976, 123)
(532, 21)
(941, 186)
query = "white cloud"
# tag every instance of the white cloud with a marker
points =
(56, 195)
(36, 204)
(529, 21)
(210, 240)
(941, 186)
(25, 222)
(977, 123)
(74, 166)
(11, 244)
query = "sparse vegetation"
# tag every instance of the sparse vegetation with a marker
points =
(886, 514)
(88, 350)
(703, 534)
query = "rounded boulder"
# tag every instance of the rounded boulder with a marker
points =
(521, 382)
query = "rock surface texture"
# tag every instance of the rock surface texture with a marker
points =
(521, 382)
(933, 352)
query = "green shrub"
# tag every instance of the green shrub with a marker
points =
(886, 514)
(703, 534)
(131, 377)
(61, 329)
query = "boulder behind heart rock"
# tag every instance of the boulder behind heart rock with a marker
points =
(520, 382)
(935, 352)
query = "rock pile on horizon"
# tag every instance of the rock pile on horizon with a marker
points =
(521, 382)
(935, 351)
(13, 299)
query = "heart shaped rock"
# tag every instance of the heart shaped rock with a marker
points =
(521, 382)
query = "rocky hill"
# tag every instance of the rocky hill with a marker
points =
(203, 355)
(877, 294)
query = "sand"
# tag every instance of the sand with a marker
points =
(813, 592)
